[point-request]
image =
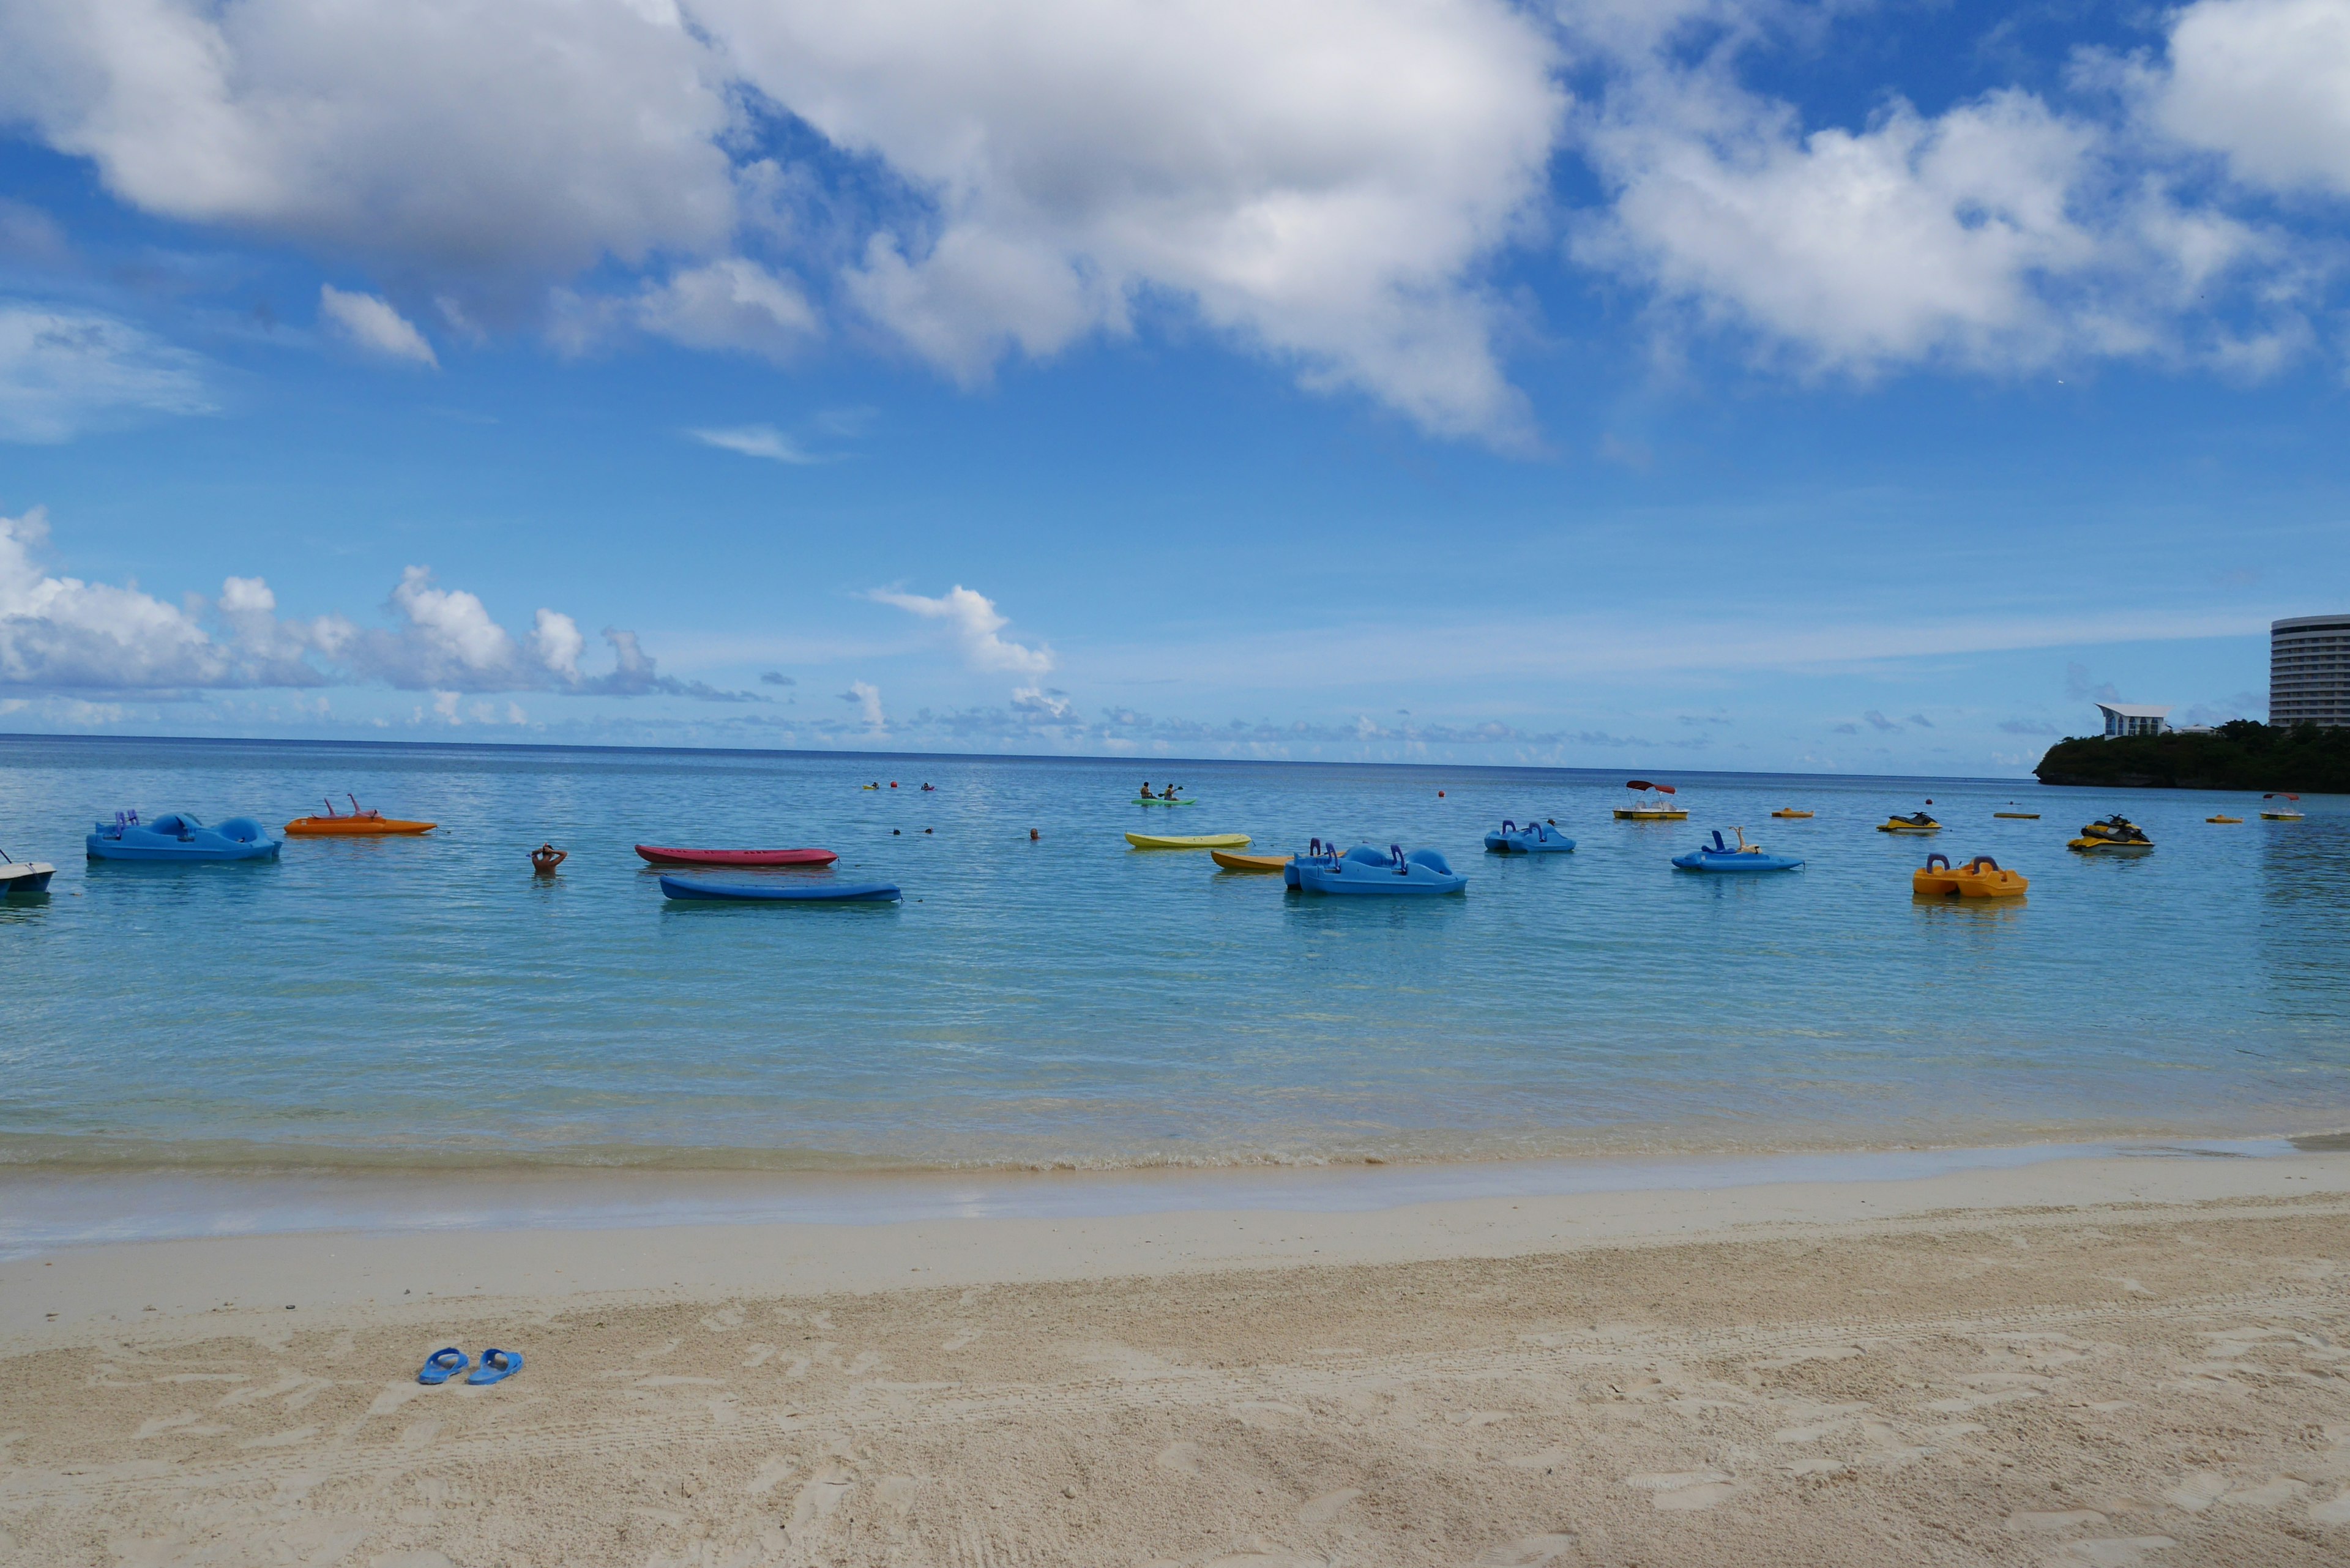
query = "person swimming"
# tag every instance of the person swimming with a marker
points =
(546, 858)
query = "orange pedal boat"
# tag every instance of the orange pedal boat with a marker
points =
(360, 821)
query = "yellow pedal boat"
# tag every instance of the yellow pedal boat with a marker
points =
(1790, 811)
(1231, 862)
(1189, 840)
(1981, 877)
(2237, 819)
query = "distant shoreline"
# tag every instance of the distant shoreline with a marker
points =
(1124, 763)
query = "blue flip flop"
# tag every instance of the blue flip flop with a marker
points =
(438, 1367)
(496, 1367)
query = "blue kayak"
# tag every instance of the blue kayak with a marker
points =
(1534, 839)
(178, 835)
(1733, 857)
(1364, 870)
(784, 892)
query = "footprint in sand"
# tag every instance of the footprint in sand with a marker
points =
(772, 1474)
(1679, 1492)
(2050, 1521)
(819, 1496)
(2115, 1551)
(962, 1337)
(724, 1322)
(1530, 1552)
(1328, 1506)
(2336, 1510)
(1181, 1457)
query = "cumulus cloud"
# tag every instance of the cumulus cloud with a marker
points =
(2000, 235)
(973, 621)
(482, 141)
(64, 370)
(1322, 181)
(61, 633)
(369, 323)
(867, 699)
(2266, 85)
(734, 305)
(1044, 706)
(1334, 185)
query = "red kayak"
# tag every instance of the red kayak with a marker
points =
(661, 857)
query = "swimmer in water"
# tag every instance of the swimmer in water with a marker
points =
(545, 859)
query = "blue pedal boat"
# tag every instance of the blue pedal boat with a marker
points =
(1363, 870)
(1721, 856)
(1535, 838)
(179, 837)
(783, 892)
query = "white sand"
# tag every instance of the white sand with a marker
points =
(2085, 1362)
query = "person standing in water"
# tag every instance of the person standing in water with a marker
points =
(546, 858)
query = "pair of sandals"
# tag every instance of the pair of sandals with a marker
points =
(496, 1367)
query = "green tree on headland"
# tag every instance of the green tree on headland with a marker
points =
(2242, 753)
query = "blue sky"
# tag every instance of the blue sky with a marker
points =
(1709, 385)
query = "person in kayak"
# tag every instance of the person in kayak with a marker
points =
(546, 858)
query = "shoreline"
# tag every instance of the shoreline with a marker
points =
(2103, 1360)
(46, 1209)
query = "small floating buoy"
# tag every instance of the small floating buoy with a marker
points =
(926, 830)
(893, 784)
(1440, 794)
(893, 833)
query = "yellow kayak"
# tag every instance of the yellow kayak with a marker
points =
(1189, 840)
(1790, 811)
(1231, 862)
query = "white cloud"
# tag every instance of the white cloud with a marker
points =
(1912, 237)
(757, 440)
(372, 324)
(556, 642)
(63, 371)
(2265, 84)
(1050, 707)
(973, 621)
(868, 698)
(734, 305)
(481, 140)
(1320, 179)
(62, 633)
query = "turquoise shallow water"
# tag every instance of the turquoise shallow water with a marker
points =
(429, 1003)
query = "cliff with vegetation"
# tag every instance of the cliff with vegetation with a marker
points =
(2242, 754)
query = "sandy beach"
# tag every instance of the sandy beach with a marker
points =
(2106, 1361)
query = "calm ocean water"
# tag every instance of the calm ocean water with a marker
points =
(428, 1003)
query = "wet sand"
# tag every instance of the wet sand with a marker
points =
(2106, 1361)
